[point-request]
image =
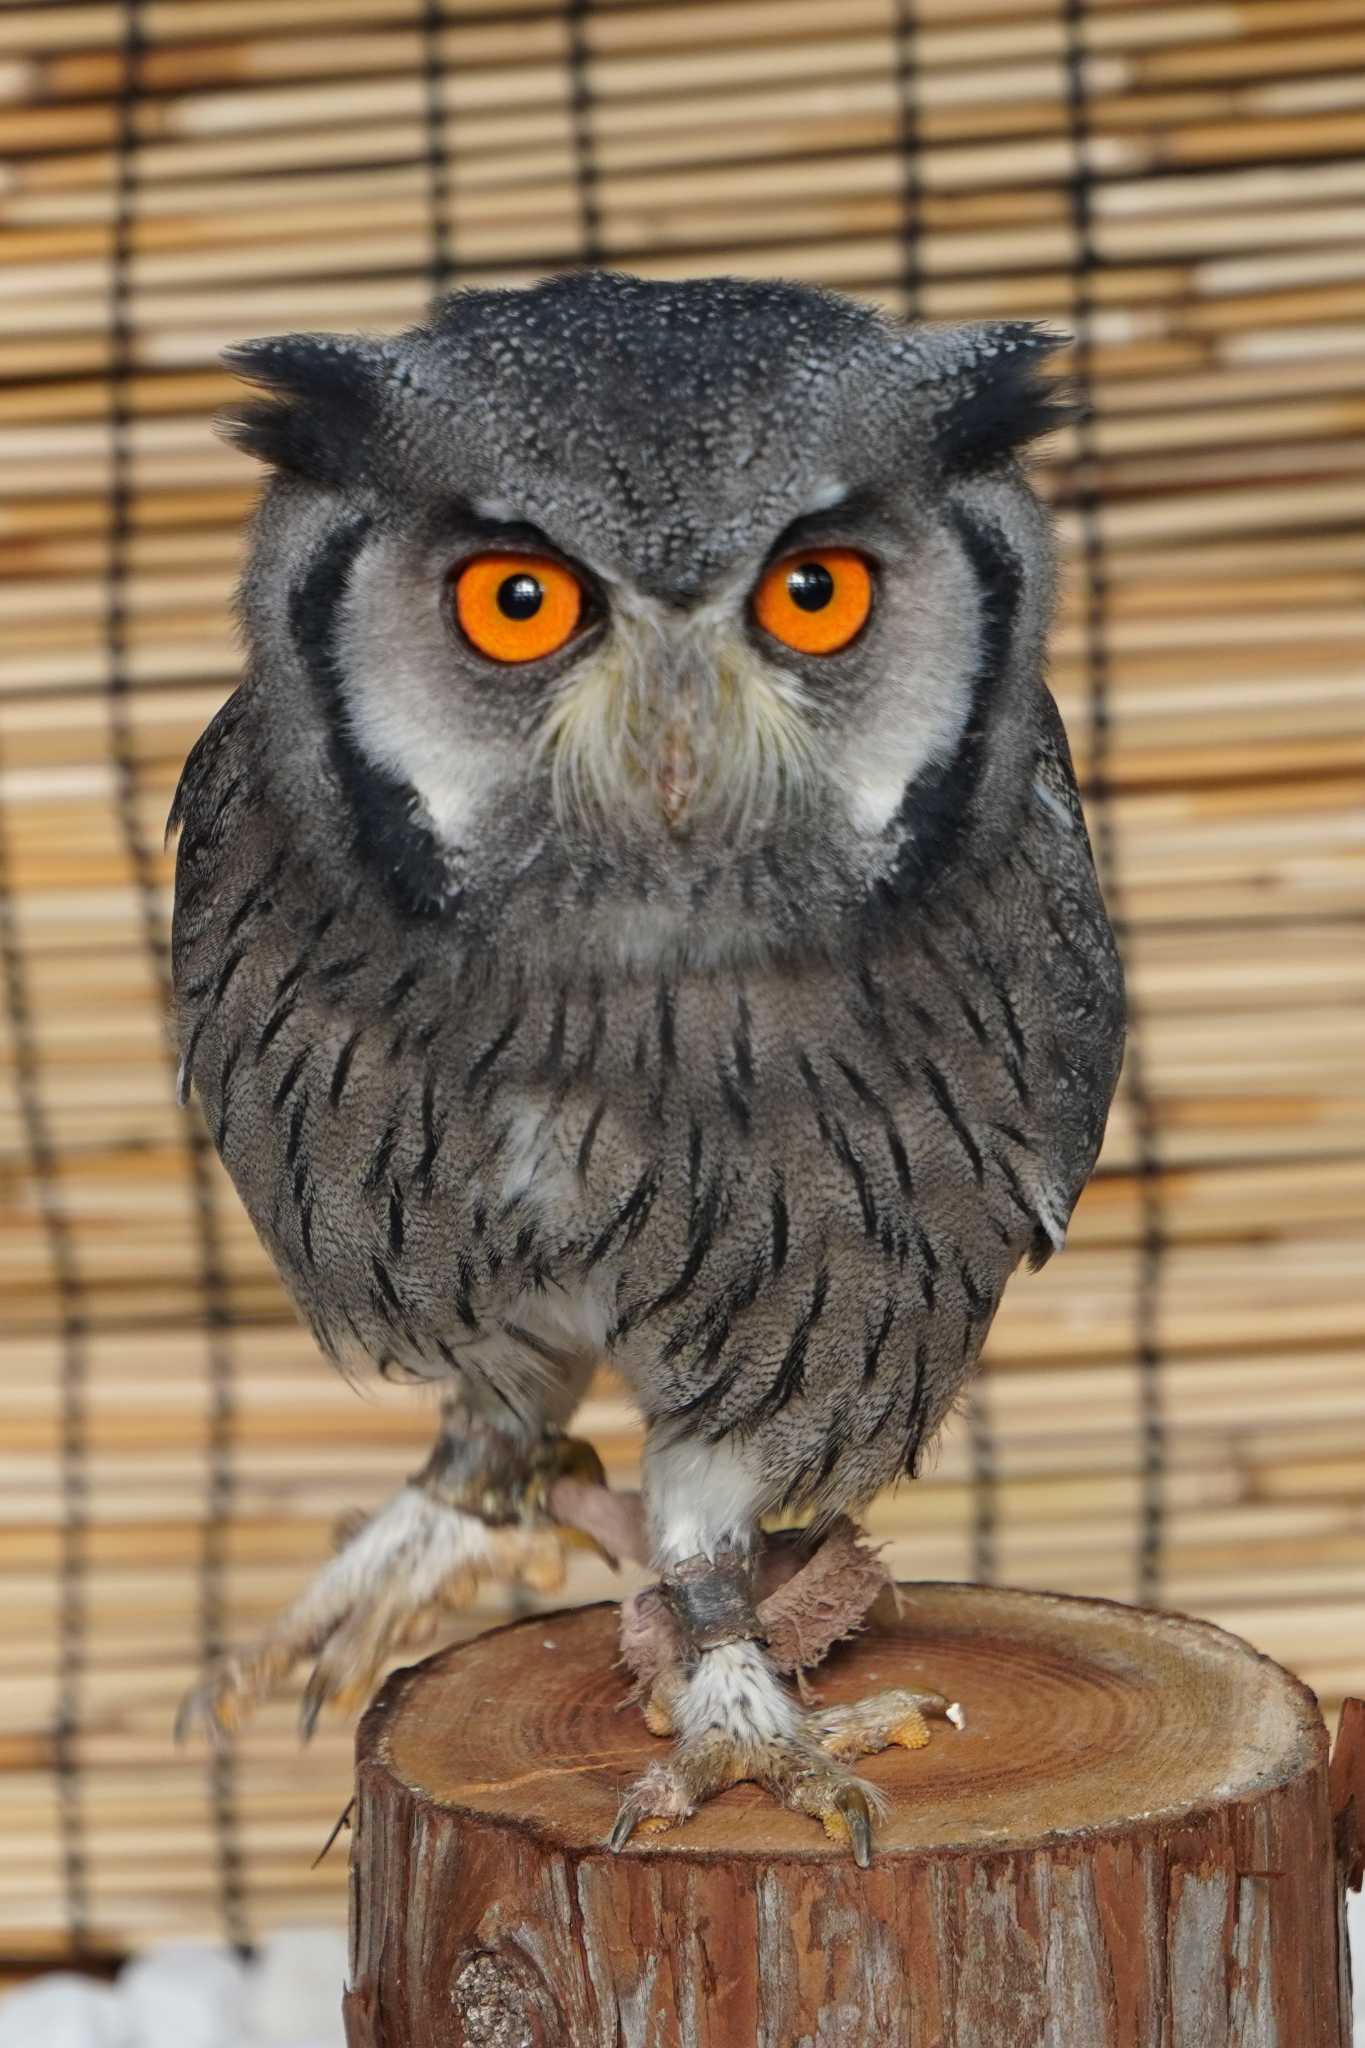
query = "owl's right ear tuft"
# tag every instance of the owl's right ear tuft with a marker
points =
(1000, 397)
(325, 393)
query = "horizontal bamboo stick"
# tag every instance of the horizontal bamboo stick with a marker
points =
(170, 64)
(250, 213)
(1169, 51)
(501, 146)
(845, 235)
(95, 22)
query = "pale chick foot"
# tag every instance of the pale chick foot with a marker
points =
(802, 1763)
(392, 1584)
(884, 1720)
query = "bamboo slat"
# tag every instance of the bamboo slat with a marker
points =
(1174, 1408)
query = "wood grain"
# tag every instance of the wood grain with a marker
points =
(1129, 1846)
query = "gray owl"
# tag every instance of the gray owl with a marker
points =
(637, 907)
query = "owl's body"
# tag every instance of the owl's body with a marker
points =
(737, 1014)
(783, 1198)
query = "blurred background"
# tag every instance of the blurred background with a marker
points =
(1175, 1410)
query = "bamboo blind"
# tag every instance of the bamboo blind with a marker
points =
(1175, 1409)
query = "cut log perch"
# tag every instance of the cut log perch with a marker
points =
(1130, 1845)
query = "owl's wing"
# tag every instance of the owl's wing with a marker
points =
(205, 812)
(1081, 971)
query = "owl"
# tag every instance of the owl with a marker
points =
(637, 908)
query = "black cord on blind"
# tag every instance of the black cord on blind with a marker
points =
(441, 266)
(1152, 1236)
(584, 153)
(44, 1177)
(906, 34)
(141, 858)
(981, 1444)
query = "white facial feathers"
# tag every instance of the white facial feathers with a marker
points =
(679, 715)
(917, 719)
(394, 653)
(672, 714)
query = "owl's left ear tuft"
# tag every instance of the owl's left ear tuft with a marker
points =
(997, 396)
(325, 397)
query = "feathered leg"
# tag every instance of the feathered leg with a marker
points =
(707, 1661)
(476, 1512)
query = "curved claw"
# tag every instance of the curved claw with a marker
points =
(200, 1711)
(315, 1697)
(850, 1803)
(218, 1705)
(388, 1588)
(623, 1827)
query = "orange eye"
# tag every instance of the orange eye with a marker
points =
(815, 602)
(518, 607)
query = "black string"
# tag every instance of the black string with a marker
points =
(580, 118)
(981, 1444)
(985, 1475)
(141, 858)
(908, 146)
(1152, 1235)
(61, 1249)
(441, 265)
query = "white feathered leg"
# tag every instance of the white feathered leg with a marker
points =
(734, 1719)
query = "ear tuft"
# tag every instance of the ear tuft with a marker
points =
(1000, 399)
(325, 395)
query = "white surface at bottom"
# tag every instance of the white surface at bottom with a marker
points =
(188, 1996)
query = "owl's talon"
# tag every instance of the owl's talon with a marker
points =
(666, 1794)
(623, 1827)
(210, 1708)
(798, 1775)
(631, 1821)
(804, 1768)
(387, 1586)
(850, 1807)
(315, 1695)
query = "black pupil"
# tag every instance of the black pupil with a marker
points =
(811, 586)
(520, 597)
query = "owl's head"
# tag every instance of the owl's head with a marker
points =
(656, 581)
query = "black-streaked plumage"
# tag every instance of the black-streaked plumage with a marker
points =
(740, 1014)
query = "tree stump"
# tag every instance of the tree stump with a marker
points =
(1129, 1846)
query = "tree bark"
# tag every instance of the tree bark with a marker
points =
(1129, 1846)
